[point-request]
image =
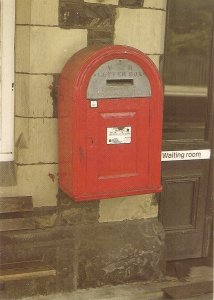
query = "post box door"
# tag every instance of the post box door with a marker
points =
(119, 96)
(118, 145)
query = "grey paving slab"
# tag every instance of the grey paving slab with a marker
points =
(135, 291)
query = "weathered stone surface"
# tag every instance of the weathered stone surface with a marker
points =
(54, 94)
(141, 28)
(131, 3)
(51, 47)
(22, 45)
(54, 247)
(100, 37)
(66, 262)
(127, 208)
(31, 287)
(121, 252)
(36, 244)
(41, 140)
(45, 217)
(72, 213)
(156, 60)
(7, 173)
(91, 254)
(44, 49)
(44, 12)
(21, 133)
(37, 180)
(34, 96)
(113, 2)
(158, 4)
(23, 11)
(26, 251)
(84, 15)
(37, 12)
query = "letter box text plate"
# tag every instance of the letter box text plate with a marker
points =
(119, 135)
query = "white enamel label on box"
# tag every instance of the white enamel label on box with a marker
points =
(119, 135)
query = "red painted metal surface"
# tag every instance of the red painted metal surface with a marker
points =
(89, 168)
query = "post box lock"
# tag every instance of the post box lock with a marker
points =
(110, 124)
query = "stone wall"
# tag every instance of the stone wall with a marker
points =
(84, 252)
(89, 244)
(48, 32)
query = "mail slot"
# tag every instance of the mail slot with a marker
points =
(110, 124)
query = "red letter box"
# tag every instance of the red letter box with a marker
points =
(110, 124)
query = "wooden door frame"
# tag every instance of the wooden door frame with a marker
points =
(208, 142)
(207, 243)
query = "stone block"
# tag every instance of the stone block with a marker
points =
(114, 253)
(41, 142)
(84, 15)
(21, 133)
(100, 37)
(75, 213)
(7, 173)
(45, 220)
(113, 2)
(37, 180)
(33, 95)
(158, 4)
(41, 49)
(22, 45)
(66, 267)
(44, 12)
(40, 181)
(51, 47)
(131, 3)
(156, 60)
(127, 208)
(29, 287)
(23, 11)
(143, 29)
(37, 12)
(22, 95)
(11, 251)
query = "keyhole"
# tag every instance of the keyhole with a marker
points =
(91, 140)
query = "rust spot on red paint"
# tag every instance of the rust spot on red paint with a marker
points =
(52, 176)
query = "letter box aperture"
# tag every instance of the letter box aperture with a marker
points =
(110, 124)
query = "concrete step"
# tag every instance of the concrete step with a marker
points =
(25, 270)
(15, 204)
(15, 213)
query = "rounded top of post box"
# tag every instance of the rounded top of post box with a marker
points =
(81, 66)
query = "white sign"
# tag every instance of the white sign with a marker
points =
(119, 135)
(185, 155)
